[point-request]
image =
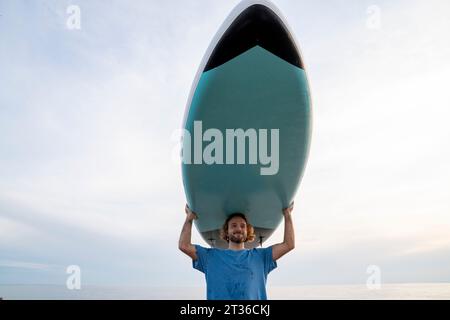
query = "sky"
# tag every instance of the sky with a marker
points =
(88, 119)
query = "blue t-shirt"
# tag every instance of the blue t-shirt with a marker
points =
(235, 274)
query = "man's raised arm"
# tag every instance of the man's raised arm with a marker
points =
(280, 249)
(184, 244)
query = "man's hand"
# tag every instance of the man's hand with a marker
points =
(191, 215)
(280, 249)
(289, 209)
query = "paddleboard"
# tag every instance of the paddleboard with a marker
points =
(247, 124)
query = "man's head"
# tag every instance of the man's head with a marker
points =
(237, 229)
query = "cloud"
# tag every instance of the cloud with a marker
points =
(348, 263)
(24, 265)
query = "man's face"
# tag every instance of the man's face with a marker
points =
(237, 230)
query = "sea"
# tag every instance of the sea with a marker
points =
(400, 291)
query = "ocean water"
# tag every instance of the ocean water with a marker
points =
(322, 292)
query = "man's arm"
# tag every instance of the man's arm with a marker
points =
(184, 244)
(280, 249)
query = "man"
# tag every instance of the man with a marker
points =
(236, 273)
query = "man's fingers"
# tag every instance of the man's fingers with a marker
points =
(290, 206)
(190, 212)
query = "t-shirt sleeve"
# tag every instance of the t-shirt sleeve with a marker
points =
(269, 263)
(201, 263)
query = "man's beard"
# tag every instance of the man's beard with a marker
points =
(238, 238)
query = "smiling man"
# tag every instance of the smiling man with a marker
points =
(236, 273)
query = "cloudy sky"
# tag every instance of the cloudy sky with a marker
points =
(87, 117)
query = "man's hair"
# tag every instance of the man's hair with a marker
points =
(250, 229)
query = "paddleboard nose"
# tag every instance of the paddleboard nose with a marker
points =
(257, 25)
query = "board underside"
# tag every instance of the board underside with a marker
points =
(254, 90)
